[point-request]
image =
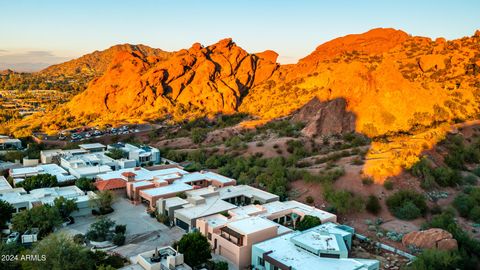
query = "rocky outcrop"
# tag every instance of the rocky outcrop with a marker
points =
(388, 81)
(325, 118)
(429, 239)
(211, 79)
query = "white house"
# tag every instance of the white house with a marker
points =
(21, 200)
(7, 143)
(19, 174)
(141, 154)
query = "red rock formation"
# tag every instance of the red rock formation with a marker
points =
(389, 80)
(431, 238)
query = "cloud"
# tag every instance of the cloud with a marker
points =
(29, 60)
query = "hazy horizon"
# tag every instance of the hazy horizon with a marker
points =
(41, 33)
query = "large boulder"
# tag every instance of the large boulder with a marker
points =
(429, 239)
(325, 118)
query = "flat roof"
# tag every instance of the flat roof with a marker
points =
(216, 220)
(91, 145)
(52, 169)
(173, 188)
(141, 183)
(143, 174)
(47, 195)
(4, 185)
(251, 225)
(318, 241)
(248, 210)
(175, 201)
(286, 252)
(92, 169)
(205, 175)
(277, 206)
(212, 205)
(245, 190)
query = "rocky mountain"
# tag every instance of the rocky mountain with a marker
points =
(389, 81)
(97, 62)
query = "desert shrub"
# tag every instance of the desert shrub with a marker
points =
(297, 148)
(443, 176)
(469, 180)
(407, 204)
(357, 161)
(468, 204)
(373, 205)
(343, 201)
(367, 181)
(309, 199)
(476, 171)
(198, 135)
(437, 259)
(388, 184)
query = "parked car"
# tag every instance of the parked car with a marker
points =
(13, 237)
(30, 236)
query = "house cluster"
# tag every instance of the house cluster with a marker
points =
(7, 143)
(23, 200)
(242, 223)
(248, 226)
(89, 160)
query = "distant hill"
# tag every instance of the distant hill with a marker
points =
(97, 62)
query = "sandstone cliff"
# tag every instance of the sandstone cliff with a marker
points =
(390, 82)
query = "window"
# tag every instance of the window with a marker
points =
(261, 261)
(209, 236)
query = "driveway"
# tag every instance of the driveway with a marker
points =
(143, 233)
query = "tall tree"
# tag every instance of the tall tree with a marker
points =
(44, 217)
(6, 211)
(195, 248)
(103, 200)
(65, 206)
(60, 253)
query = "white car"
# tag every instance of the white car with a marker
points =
(13, 237)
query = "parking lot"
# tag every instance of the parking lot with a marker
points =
(144, 233)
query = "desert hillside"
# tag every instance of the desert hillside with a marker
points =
(388, 83)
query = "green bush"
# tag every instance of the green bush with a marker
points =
(198, 135)
(118, 239)
(308, 222)
(367, 181)
(221, 265)
(309, 199)
(373, 205)
(388, 184)
(468, 204)
(432, 259)
(343, 201)
(120, 229)
(38, 181)
(79, 239)
(407, 204)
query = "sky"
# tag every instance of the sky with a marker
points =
(38, 33)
